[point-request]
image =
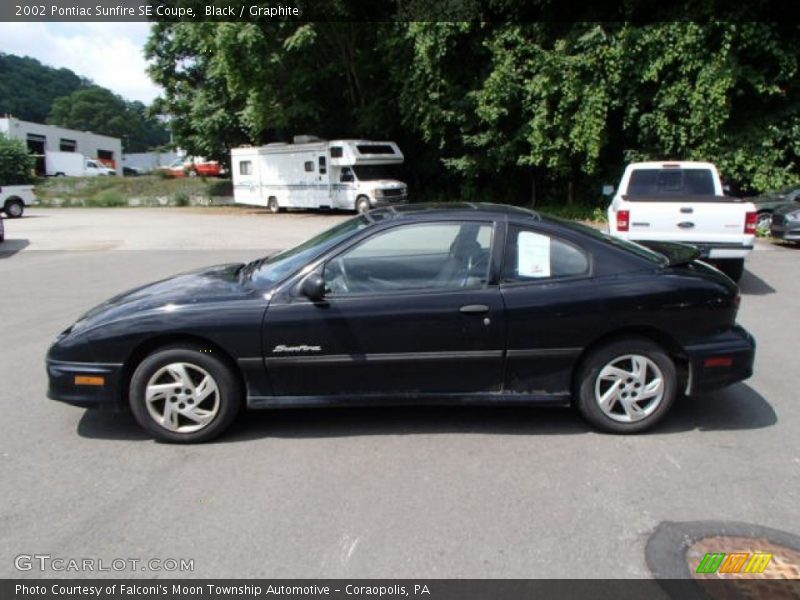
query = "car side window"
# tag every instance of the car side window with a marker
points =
(414, 257)
(532, 256)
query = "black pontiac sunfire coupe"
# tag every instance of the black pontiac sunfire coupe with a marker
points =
(441, 304)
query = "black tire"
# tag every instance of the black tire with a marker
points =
(733, 268)
(273, 206)
(14, 208)
(614, 353)
(362, 205)
(192, 173)
(764, 220)
(228, 394)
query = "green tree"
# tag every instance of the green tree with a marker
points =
(99, 110)
(28, 88)
(501, 110)
(16, 165)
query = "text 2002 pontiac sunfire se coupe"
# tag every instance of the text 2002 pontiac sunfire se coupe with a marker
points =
(444, 304)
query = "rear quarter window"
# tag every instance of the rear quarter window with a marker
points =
(532, 256)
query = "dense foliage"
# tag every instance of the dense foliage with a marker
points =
(16, 165)
(34, 92)
(28, 88)
(500, 110)
(97, 109)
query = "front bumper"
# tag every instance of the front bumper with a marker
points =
(789, 232)
(88, 385)
(720, 361)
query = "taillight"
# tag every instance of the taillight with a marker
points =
(623, 220)
(750, 222)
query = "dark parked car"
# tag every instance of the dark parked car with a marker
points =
(767, 204)
(2, 231)
(441, 304)
(786, 223)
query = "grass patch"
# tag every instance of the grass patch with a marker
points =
(575, 212)
(148, 190)
(107, 199)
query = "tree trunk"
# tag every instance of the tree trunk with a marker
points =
(533, 189)
(570, 193)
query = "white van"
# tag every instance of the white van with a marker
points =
(74, 164)
(313, 173)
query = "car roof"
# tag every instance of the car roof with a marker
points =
(453, 210)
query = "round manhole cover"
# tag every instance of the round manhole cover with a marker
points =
(719, 559)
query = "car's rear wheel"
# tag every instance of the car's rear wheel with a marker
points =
(733, 268)
(184, 394)
(273, 206)
(626, 386)
(14, 208)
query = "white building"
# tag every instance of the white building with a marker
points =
(149, 161)
(41, 138)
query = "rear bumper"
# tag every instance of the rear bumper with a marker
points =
(721, 250)
(80, 384)
(718, 250)
(720, 361)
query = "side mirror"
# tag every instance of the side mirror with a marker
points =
(608, 190)
(313, 287)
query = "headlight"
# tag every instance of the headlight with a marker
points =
(793, 216)
(378, 193)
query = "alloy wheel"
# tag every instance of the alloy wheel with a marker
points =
(182, 397)
(629, 388)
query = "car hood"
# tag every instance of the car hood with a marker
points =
(212, 284)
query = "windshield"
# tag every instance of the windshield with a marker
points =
(373, 172)
(277, 267)
(629, 246)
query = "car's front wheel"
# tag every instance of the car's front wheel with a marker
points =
(363, 205)
(626, 386)
(185, 394)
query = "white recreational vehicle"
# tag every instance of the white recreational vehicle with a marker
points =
(314, 173)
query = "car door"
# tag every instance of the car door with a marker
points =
(409, 311)
(552, 306)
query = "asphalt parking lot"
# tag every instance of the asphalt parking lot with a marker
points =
(398, 492)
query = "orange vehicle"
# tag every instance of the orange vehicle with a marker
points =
(194, 166)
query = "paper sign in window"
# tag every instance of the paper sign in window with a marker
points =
(533, 255)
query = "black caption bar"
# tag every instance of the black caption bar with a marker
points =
(389, 10)
(433, 589)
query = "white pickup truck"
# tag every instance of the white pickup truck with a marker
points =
(14, 199)
(684, 202)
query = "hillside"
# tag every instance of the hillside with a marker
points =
(28, 88)
(35, 92)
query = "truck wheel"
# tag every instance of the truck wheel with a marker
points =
(14, 208)
(272, 205)
(626, 386)
(362, 205)
(733, 268)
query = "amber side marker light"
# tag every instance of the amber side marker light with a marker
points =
(90, 380)
(720, 361)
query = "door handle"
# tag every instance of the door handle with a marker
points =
(474, 309)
